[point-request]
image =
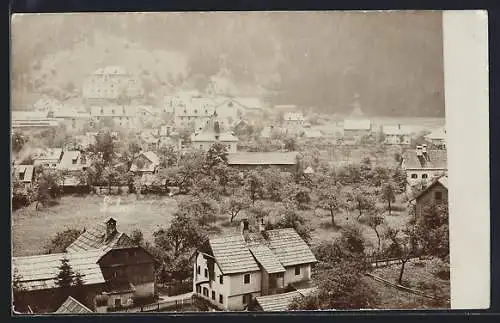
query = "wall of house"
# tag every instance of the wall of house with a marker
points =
(205, 145)
(212, 286)
(238, 287)
(428, 198)
(144, 289)
(124, 299)
(290, 277)
(417, 176)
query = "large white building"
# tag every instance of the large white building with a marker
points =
(109, 84)
(230, 271)
(214, 132)
(422, 165)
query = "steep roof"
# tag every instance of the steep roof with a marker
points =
(95, 238)
(437, 159)
(266, 258)
(357, 124)
(262, 158)
(277, 302)
(443, 180)
(232, 254)
(40, 272)
(72, 306)
(289, 247)
(149, 155)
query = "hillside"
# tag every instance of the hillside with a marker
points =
(392, 60)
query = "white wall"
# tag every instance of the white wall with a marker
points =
(238, 287)
(235, 303)
(146, 289)
(419, 173)
(290, 277)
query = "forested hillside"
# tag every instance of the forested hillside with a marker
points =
(392, 60)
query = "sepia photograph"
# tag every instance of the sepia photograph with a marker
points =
(229, 161)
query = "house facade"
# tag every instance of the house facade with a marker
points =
(231, 271)
(396, 135)
(435, 193)
(422, 165)
(355, 129)
(120, 115)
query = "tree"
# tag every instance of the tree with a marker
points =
(340, 287)
(103, 147)
(433, 230)
(206, 186)
(202, 208)
(110, 176)
(290, 218)
(182, 236)
(168, 156)
(17, 141)
(137, 237)
(273, 184)
(388, 194)
(65, 275)
(62, 240)
(403, 245)
(234, 205)
(329, 199)
(362, 200)
(216, 155)
(374, 221)
(254, 185)
(47, 188)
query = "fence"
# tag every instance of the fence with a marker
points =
(158, 306)
(405, 289)
(380, 263)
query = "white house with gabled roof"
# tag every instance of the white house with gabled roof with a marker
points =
(231, 271)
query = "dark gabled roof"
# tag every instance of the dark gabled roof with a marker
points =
(232, 254)
(289, 247)
(95, 238)
(443, 181)
(72, 306)
(437, 159)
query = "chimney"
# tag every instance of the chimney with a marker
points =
(419, 151)
(110, 229)
(244, 226)
(262, 227)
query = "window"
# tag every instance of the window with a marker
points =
(205, 291)
(74, 161)
(206, 272)
(198, 289)
(281, 275)
(213, 295)
(21, 177)
(297, 271)
(438, 196)
(424, 176)
(198, 270)
(221, 299)
(414, 176)
(118, 302)
(221, 279)
(246, 278)
(247, 298)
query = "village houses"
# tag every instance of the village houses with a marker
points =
(437, 138)
(72, 163)
(120, 115)
(422, 165)
(212, 133)
(110, 265)
(47, 157)
(232, 270)
(355, 129)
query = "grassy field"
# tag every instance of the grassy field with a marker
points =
(417, 276)
(32, 229)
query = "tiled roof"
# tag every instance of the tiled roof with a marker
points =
(437, 160)
(72, 306)
(48, 153)
(443, 181)
(40, 272)
(27, 170)
(289, 247)
(262, 158)
(94, 238)
(232, 254)
(357, 124)
(277, 302)
(266, 259)
(67, 159)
